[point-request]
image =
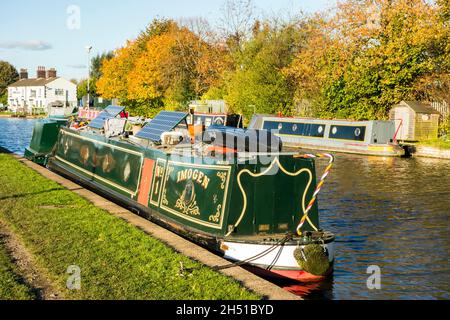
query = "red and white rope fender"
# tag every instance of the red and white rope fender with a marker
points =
(318, 187)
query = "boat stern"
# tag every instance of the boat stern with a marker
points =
(304, 259)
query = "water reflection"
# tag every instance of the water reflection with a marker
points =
(390, 212)
(15, 134)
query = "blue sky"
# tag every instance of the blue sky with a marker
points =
(34, 33)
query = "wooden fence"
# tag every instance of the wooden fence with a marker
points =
(443, 107)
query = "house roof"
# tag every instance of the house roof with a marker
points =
(35, 82)
(419, 107)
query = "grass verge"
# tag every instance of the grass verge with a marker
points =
(116, 260)
(440, 143)
(11, 284)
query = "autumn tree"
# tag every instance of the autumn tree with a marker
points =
(168, 65)
(97, 62)
(115, 72)
(370, 55)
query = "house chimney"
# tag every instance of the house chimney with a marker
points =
(51, 73)
(23, 74)
(40, 72)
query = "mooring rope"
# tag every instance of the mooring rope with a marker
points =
(318, 187)
(280, 242)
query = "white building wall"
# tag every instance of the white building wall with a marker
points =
(25, 98)
(60, 89)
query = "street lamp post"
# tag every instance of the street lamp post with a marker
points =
(88, 50)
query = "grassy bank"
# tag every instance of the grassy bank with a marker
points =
(440, 143)
(6, 113)
(11, 284)
(10, 114)
(117, 260)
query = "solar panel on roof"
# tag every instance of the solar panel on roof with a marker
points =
(164, 121)
(108, 113)
(114, 110)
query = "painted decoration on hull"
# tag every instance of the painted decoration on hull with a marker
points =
(157, 181)
(108, 164)
(194, 192)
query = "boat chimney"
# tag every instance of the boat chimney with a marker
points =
(40, 73)
(23, 74)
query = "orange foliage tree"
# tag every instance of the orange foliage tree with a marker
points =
(371, 54)
(167, 66)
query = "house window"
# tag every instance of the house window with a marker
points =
(33, 93)
(59, 92)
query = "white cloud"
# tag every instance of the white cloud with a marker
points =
(35, 45)
(76, 66)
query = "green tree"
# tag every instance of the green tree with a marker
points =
(8, 75)
(97, 62)
(82, 89)
(258, 83)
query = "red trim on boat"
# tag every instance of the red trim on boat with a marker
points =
(301, 275)
(209, 114)
(220, 149)
(298, 275)
(146, 179)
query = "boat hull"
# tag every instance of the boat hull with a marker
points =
(280, 262)
(214, 202)
(361, 149)
(375, 138)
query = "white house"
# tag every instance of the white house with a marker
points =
(38, 94)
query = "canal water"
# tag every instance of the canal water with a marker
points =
(15, 133)
(387, 213)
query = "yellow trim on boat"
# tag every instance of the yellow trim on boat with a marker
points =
(101, 142)
(156, 203)
(201, 166)
(93, 175)
(115, 185)
(276, 161)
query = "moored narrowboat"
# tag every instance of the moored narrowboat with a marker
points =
(374, 137)
(256, 208)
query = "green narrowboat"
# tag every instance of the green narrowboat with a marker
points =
(231, 190)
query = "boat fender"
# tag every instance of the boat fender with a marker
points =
(313, 258)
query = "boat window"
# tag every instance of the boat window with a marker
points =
(198, 120)
(320, 129)
(295, 128)
(356, 133)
